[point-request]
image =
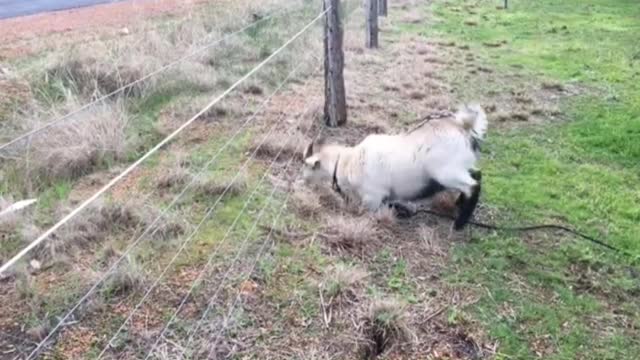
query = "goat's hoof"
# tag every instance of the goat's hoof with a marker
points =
(402, 211)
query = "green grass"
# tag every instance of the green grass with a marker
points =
(391, 274)
(545, 293)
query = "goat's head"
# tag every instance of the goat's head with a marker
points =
(318, 163)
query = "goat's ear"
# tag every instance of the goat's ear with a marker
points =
(313, 161)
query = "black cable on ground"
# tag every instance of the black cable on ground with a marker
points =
(532, 228)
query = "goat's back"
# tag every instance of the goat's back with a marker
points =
(405, 163)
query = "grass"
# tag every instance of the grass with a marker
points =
(104, 238)
(550, 295)
(540, 296)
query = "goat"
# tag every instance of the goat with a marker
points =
(388, 170)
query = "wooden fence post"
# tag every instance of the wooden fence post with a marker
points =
(335, 103)
(506, 4)
(372, 24)
(382, 8)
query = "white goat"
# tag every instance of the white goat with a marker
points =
(389, 169)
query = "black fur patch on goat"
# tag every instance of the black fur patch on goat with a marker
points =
(433, 187)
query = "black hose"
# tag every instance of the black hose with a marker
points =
(532, 228)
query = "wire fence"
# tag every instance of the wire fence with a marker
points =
(69, 318)
(206, 217)
(151, 229)
(144, 78)
(207, 266)
(155, 149)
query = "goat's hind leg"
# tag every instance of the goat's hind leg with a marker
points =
(469, 183)
(468, 204)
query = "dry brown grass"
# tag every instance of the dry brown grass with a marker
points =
(386, 216)
(279, 146)
(350, 233)
(88, 76)
(174, 172)
(431, 240)
(417, 95)
(102, 67)
(341, 282)
(128, 278)
(306, 202)
(211, 188)
(75, 76)
(173, 178)
(374, 124)
(78, 146)
(95, 224)
(103, 221)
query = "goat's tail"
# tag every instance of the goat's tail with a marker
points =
(473, 119)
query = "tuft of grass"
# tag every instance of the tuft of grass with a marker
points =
(350, 233)
(87, 76)
(384, 326)
(84, 143)
(127, 279)
(342, 281)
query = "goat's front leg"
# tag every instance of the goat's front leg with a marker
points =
(375, 200)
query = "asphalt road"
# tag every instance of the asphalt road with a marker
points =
(14, 8)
